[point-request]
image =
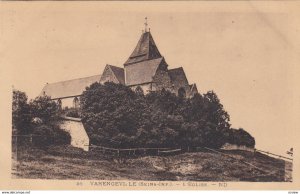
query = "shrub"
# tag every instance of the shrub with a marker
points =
(46, 135)
(242, 137)
(72, 112)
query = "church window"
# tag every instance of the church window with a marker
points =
(76, 102)
(181, 93)
(59, 103)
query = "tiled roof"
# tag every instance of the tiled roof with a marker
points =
(69, 88)
(119, 73)
(142, 72)
(178, 77)
(145, 50)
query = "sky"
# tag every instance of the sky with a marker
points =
(242, 52)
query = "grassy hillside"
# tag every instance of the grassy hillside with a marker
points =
(72, 163)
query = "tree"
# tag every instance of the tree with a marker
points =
(216, 112)
(21, 117)
(44, 108)
(50, 134)
(114, 115)
(110, 112)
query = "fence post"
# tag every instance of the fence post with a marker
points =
(17, 147)
(30, 139)
(118, 152)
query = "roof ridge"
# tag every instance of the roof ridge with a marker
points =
(162, 57)
(148, 51)
(73, 79)
(176, 68)
(68, 88)
(115, 66)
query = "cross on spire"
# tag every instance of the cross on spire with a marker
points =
(146, 24)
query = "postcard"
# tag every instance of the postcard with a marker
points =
(151, 95)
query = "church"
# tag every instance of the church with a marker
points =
(145, 70)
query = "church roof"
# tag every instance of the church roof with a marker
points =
(142, 72)
(69, 88)
(146, 49)
(177, 76)
(193, 87)
(119, 73)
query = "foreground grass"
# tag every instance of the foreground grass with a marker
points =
(66, 162)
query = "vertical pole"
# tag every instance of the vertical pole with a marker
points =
(17, 147)
(30, 139)
(16, 144)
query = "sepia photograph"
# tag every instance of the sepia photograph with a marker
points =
(177, 95)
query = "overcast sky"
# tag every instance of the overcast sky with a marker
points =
(243, 53)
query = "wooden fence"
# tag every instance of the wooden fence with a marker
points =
(24, 139)
(28, 139)
(276, 155)
(163, 151)
(135, 151)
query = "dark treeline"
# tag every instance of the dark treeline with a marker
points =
(116, 116)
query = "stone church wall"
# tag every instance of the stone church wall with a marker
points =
(75, 128)
(182, 84)
(186, 87)
(162, 80)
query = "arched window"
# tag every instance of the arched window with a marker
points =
(76, 102)
(139, 91)
(59, 103)
(181, 93)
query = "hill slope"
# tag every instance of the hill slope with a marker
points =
(72, 163)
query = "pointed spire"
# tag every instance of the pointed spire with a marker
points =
(145, 49)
